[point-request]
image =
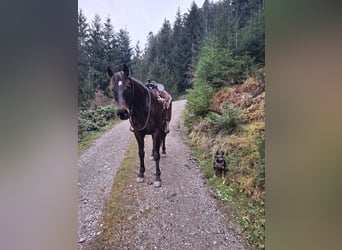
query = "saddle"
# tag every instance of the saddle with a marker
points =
(158, 90)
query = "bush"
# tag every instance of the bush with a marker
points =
(260, 142)
(226, 123)
(198, 99)
(94, 119)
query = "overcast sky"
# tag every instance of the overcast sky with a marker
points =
(138, 17)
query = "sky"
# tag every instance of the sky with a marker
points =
(138, 17)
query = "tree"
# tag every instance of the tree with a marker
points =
(138, 66)
(253, 37)
(164, 42)
(96, 50)
(212, 62)
(207, 9)
(83, 37)
(194, 30)
(125, 51)
(180, 55)
(110, 43)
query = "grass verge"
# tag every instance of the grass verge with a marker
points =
(117, 224)
(88, 139)
(250, 217)
(247, 215)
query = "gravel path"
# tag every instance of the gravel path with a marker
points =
(97, 167)
(181, 214)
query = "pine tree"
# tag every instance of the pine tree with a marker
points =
(164, 43)
(83, 37)
(253, 38)
(110, 43)
(125, 51)
(180, 54)
(138, 66)
(194, 30)
(96, 50)
(207, 15)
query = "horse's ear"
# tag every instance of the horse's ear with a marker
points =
(126, 70)
(109, 72)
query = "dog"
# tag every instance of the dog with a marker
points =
(220, 166)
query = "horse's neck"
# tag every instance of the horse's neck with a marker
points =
(141, 98)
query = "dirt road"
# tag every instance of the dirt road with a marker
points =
(181, 214)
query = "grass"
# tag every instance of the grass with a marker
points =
(120, 207)
(89, 137)
(249, 216)
(239, 198)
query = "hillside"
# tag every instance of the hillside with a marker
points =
(244, 190)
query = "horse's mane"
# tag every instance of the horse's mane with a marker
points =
(136, 81)
(120, 75)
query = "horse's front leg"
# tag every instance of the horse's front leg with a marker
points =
(140, 140)
(156, 146)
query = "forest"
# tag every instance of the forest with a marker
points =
(220, 43)
(212, 55)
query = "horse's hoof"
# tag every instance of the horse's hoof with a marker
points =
(140, 179)
(157, 184)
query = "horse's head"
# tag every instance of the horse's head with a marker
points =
(122, 87)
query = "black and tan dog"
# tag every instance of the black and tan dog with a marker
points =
(220, 166)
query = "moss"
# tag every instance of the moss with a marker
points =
(119, 207)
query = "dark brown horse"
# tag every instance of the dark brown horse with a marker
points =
(147, 117)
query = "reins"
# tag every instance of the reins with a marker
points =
(148, 114)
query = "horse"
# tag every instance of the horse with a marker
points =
(145, 113)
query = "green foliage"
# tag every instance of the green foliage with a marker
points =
(241, 68)
(249, 215)
(226, 123)
(253, 38)
(212, 63)
(217, 43)
(94, 119)
(260, 143)
(99, 46)
(243, 140)
(217, 65)
(198, 99)
(124, 49)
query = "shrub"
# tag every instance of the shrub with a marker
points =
(260, 142)
(227, 122)
(94, 119)
(198, 99)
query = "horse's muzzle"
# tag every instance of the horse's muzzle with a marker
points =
(123, 114)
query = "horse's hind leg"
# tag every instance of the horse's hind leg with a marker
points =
(163, 146)
(156, 156)
(140, 140)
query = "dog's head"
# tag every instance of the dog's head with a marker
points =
(219, 155)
